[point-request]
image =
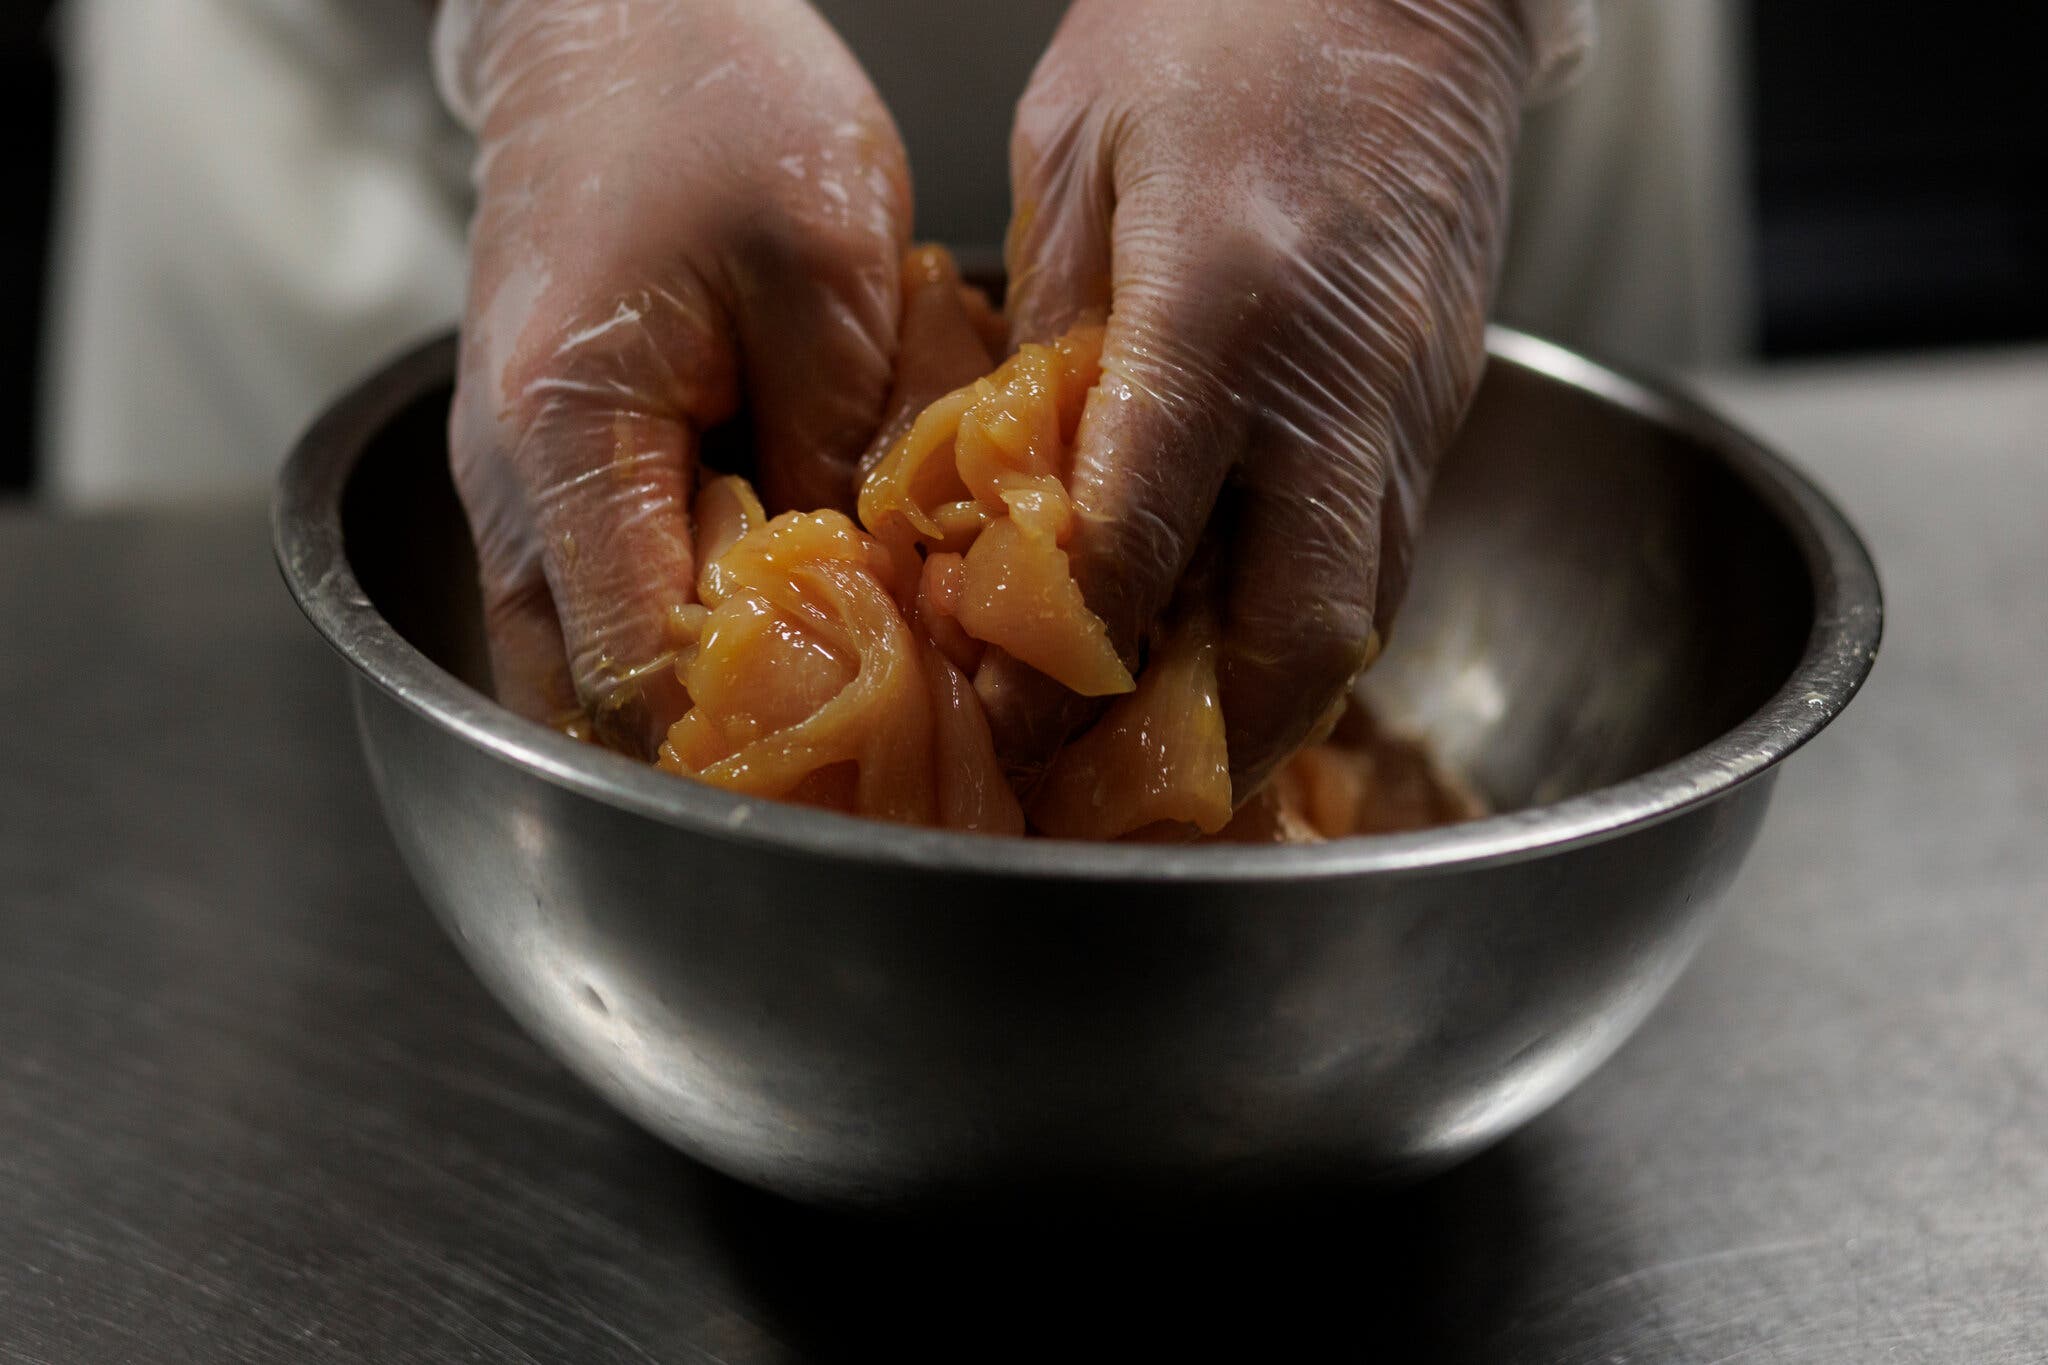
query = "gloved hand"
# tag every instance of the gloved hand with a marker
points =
(684, 206)
(1292, 212)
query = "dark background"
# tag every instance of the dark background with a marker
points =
(1900, 165)
(1901, 173)
(28, 121)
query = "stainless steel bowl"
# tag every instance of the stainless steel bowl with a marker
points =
(1625, 615)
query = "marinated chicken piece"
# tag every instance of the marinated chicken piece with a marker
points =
(1362, 780)
(1156, 764)
(981, 473)
(828, 663)
(950, 337)
(807, 684)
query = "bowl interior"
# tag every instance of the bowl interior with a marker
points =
(1596, 593)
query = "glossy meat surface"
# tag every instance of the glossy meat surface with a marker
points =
(828, 661)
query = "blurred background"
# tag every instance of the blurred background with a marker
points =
(1791, 181)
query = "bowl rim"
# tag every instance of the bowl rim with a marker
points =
(1841, 646)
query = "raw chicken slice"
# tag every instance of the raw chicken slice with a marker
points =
(827, 662)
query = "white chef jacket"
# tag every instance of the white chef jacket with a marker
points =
(261, 198)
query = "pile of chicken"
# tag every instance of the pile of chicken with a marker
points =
(827, 661)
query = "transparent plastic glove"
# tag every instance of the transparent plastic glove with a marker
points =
(1292, 212)
(685, 206)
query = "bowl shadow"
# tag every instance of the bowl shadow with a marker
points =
(1431, 1272)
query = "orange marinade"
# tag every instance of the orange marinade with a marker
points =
(830, 660)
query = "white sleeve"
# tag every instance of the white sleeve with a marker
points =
(1561, 33)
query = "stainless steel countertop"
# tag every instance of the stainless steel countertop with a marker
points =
(252, 1108)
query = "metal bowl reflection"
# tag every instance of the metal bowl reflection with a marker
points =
(1626, 614)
